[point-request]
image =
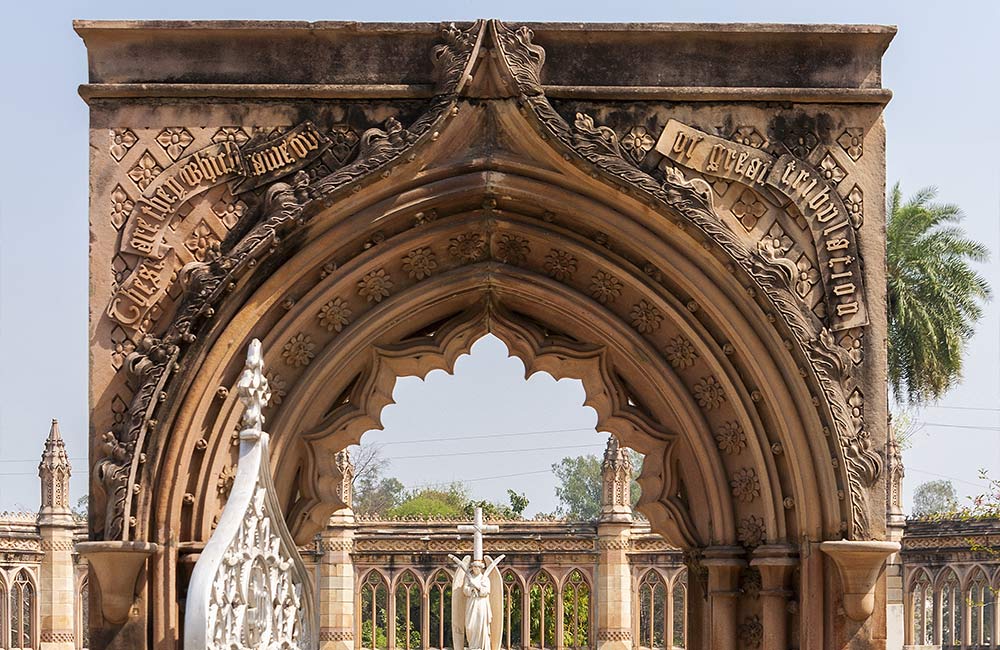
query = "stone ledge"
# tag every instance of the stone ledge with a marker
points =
(579, 55)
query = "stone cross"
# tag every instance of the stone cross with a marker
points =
(477, 529)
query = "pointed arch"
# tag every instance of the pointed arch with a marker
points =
(439, 604)
(577, 607)
(513, 610)
(408, 606)
(373, 619)
(23, 611)
(653, 611)
(953, 622)
(542, 608)
(920, 607)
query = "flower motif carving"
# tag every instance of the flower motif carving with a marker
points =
(121, 206)
(144, 170)
(604, 287)
(801, 142)
(852, 140)
(750, 580)
(750, 531)
(745, 485)
(646, 317)
(279, 387)
(375, 286)
(560, 264)
(512, 249)
(232, 134)
(467, 248)
(751, 632)
(680, 353)
(831, 169)
(777, 240)
(420, 263)
(855, 204)
(749, 136)
(709, 393)
(731, 438)
(335, 315)
(748, 209)
(638, 142)
(857, 403)
(121, 141)
(853, 342)
(201, 241)
(122, 347)
(174, 140)
(808, 276)
(299, 351)
(343, 141)
(229, 210)
(224, 484)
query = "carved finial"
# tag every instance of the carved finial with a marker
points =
(346, 467)
(254, 392)
(54, 470)
(616, 482)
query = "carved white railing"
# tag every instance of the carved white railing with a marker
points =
(250, 589)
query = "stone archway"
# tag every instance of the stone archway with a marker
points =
(708, 316)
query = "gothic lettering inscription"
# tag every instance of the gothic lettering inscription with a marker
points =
(140, 292)
(187, 177)
(799, 183)
(279, 157)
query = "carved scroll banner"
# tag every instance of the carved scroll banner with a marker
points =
(146, 228)
(249, 589)
(796, 181)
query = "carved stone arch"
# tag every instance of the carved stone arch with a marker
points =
(918, 575)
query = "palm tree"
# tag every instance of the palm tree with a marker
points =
(935, 297)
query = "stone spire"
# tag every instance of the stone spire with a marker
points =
(616, 482)
(346, 467)
(54, 470)
(894, 484)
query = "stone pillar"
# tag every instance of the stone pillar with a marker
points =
(57, 578)
(336, 570)
(613, 586)
(895, 611)
(724, 564)
(775, 563)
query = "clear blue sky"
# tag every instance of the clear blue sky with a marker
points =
(944, 67)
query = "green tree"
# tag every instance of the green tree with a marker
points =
(377, 495)
(431, 502)
(935, 297)
(935, 498)
(579, 486)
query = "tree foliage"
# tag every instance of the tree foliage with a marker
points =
(935, 297)
(579, 486)
(935, 499)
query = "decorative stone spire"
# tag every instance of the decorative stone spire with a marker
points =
(54, 470)
(894, 484)
(346, 467)
(616, 482)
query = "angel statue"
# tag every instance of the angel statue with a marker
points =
(477, 595)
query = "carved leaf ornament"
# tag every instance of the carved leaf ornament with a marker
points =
(249, 588)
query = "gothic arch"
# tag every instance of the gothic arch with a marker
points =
(700, 340)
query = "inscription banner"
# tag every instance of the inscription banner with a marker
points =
(798, 182)
(145, 230)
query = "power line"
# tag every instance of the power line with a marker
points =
(484, 436)
(965, 408)
(33, 460)
(961, 426)
(481, 478)
(498, 451)
(952, 478)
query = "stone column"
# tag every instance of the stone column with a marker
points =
(613, 586)
(895, 612)
(775, 563)
(336, 583)
(336, 572)
(57, 577)
(724, 564)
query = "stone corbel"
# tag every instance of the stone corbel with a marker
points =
(859, 565)
(116, 565)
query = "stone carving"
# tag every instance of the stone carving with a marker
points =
(334, 315)
(852, 141)
(512, 249)
(477, 593)
(375, 286)
(144, 170)
(745, 485)
(680, 353)
(709, 393)
(249, 588)
(751, 532)
(646, 317)
(831, 170)
(121, 141)
(174, 140)
(605, 287)
(638, 142)
(731, 438)
(751, 632)
(420, 263)
(560, 265)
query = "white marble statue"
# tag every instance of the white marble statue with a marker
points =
(477, 594)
